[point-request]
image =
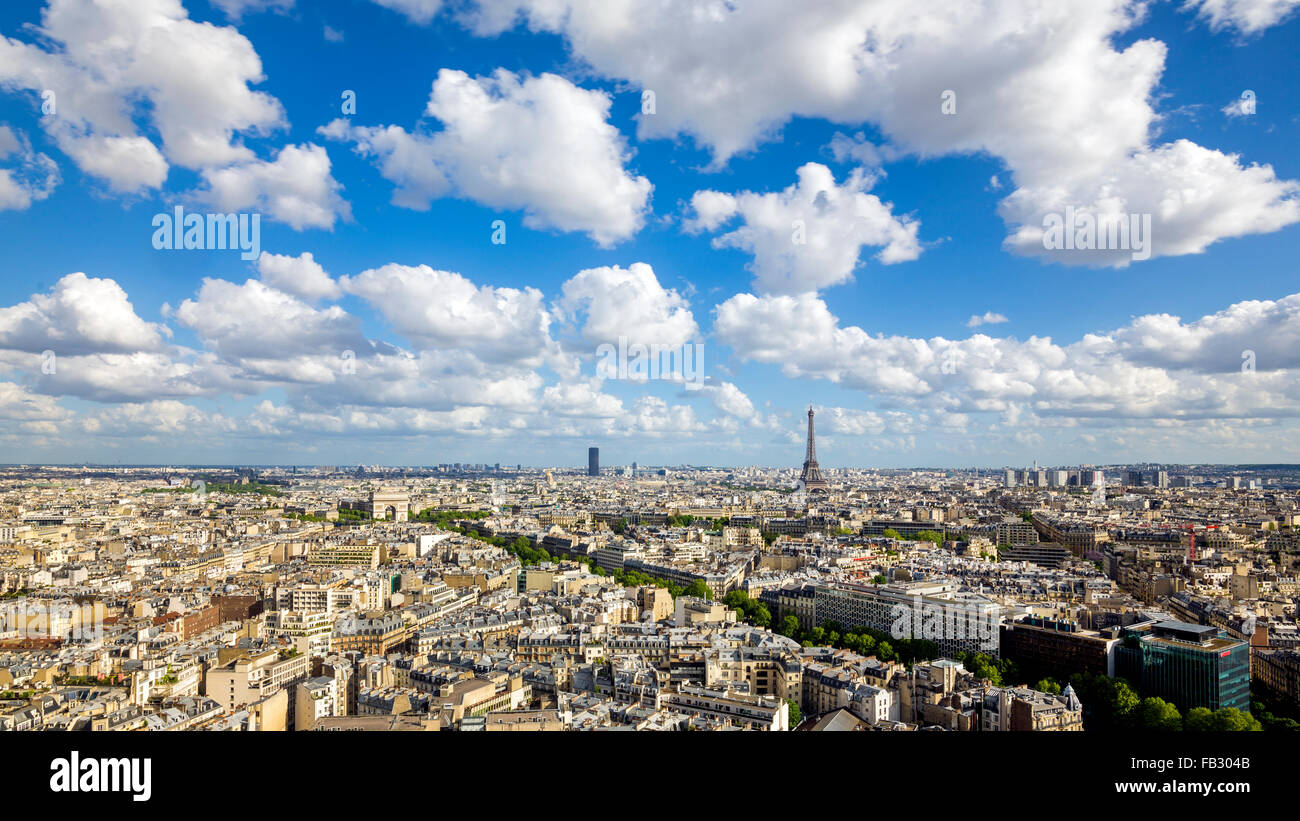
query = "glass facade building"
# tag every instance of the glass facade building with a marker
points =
(1189, 665)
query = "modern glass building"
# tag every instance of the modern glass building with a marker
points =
(1190, 665)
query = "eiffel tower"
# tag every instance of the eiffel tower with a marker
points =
(812, 475)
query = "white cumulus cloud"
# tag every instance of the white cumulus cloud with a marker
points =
(628, 302)
(811, 234)
(301, 276)
(538, 144)
(987, 318)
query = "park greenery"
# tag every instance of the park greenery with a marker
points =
(445, 519)
(919, 536)
(251, 487)
(686, 520)
(530, 555)
(221, 487)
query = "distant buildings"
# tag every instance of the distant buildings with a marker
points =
(457, 620)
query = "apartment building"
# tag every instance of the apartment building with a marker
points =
(1019, 709)
(317, 698)
(751, 712)
(247, 678)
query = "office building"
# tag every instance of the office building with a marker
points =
(1044, 554)
(1190, 665)
(956, 622)
(1049, 647)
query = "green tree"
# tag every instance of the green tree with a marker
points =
(879, 579)
(1199, 720)
(761, 617)
(789, 627)
(890, 533)
(796, 715)
(1273, 717)
(737, 599)
(699, 589)
(983, 667)
(1159, 715)
(1046, 685)
(1125, 700)
(1232, 720)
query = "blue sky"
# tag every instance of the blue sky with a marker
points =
(918, 220)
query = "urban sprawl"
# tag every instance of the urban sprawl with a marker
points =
(490, 598)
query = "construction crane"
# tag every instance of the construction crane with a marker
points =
(1191, 541)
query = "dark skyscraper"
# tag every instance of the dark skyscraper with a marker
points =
(812, 475)
(593, 461)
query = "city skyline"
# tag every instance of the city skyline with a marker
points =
(920, 368)
(455, 251)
